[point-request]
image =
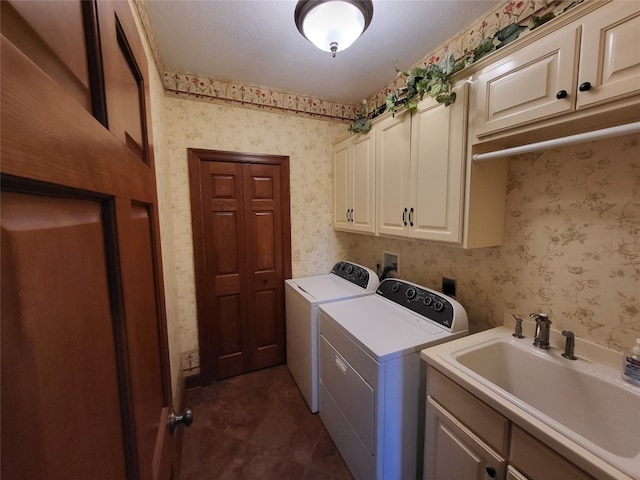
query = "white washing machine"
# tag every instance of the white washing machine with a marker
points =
(372, 381)
(303, 296)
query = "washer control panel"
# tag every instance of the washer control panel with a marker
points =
(352, 272)
(428, 303)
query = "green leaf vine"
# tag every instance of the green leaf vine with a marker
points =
(434, 80)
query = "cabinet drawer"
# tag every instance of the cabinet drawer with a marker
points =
(539, 461)
(481, 419)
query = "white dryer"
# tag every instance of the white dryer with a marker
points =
(303, 296)
(372, 381)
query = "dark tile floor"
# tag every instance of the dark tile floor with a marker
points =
(257, 426)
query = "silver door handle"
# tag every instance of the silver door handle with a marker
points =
(174, 420)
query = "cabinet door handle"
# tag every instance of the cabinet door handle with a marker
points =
(491, 472)
(341, 365)
(347, 214)
(351, 215)
(404, 217)
(411, 217)
(562, 94)
(585, 87)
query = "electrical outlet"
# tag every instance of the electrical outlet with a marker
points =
(449, 286)
(390, 259)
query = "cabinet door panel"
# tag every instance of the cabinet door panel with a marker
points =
(393, 159)
(522, 87)
(609, 54)
(363, 217)
(341, 183)
(438, 149)
(454, 452)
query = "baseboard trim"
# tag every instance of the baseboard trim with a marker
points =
(191, 382)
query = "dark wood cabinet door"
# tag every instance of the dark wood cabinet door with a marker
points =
(85, 374)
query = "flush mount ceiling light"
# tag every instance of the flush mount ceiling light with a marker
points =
(333, 25)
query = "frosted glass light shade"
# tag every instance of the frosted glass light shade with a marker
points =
(333, 25)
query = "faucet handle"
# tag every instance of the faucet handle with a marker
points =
(541, 318)
(569, 346)
(518, 330)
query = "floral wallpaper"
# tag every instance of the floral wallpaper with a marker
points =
(572, 229)
(307, 142)
(163, 182)
(571, 247)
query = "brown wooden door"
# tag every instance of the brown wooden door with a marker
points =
(86, 389)
(240, 206)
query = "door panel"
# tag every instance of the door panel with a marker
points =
(264, 263)
(44, 405)
(393, 163)
(98, 360)
(609, 54)
(363, 178)
(342, 183)
(224, 230)
(240, 212)
(141, 311)
(124, 64)
(51, 34)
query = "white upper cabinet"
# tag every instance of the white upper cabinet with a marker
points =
(342, 183)
(610, 54)
(353, 183)
(393, 173)
(438, 141)
(589, 66)
(420, 158)
(533, 83)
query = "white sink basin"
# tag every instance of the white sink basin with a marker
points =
(585, 401)
(603, 413)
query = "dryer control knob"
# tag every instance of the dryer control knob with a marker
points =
(410, 293)
(395, 287)
(439, 306)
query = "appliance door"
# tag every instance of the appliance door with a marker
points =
(302, 342)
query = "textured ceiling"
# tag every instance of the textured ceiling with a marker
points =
(256, 42)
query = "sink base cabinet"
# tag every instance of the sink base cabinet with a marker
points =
(455, 452)
(466, 439)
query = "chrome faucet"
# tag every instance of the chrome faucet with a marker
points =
(543, 329)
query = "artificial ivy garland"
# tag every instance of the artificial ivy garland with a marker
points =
(435, 79)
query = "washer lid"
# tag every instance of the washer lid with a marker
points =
(328, 288)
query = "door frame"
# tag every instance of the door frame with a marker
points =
(195, 158)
